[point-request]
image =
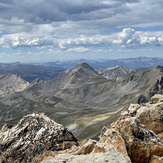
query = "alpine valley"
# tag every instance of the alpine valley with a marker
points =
(82, 99)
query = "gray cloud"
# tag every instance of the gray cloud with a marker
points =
(84, 15)
(47, 11)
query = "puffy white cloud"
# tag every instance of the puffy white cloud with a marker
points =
(79, 49)
(131, 38)
(128, 38)
(23, 39)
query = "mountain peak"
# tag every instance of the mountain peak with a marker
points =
(85, 66)
(80, 75)
(84, 73)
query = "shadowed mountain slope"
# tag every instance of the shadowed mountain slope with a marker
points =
(30, 72)
(80, 98)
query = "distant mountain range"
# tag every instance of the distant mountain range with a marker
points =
(79, 98)
(50, 70)
(137, 63)
(30, 72)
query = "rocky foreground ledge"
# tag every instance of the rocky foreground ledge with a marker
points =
(33, 135)
(137, 136)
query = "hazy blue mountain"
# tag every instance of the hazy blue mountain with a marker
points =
(138, 63)
(50, 70)
(30, 72)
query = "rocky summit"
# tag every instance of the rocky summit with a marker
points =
(137, 137)
(34, 134)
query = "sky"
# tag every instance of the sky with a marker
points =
(50, 30)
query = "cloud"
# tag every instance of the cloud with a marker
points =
(79, 49)
(64, 27)
(22, 40)
(127, 38)
(43, 11)
(131, 38)
(27, 15)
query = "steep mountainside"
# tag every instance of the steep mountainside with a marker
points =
(80, 75)
(11, 83)
(80, 98)
(114, 72)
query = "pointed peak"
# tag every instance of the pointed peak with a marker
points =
(83, 65)
(83, 68)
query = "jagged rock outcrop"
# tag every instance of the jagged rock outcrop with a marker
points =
(141, 128)
(34, 134)
(141, 143)
(151, 115)
(157, 98)
(136, 135)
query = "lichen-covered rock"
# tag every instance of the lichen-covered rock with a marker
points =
(157, 98)
(151, 115)
(127, 134)
(34, 134)
(112, 136)
(133, 109)
(141, 128)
